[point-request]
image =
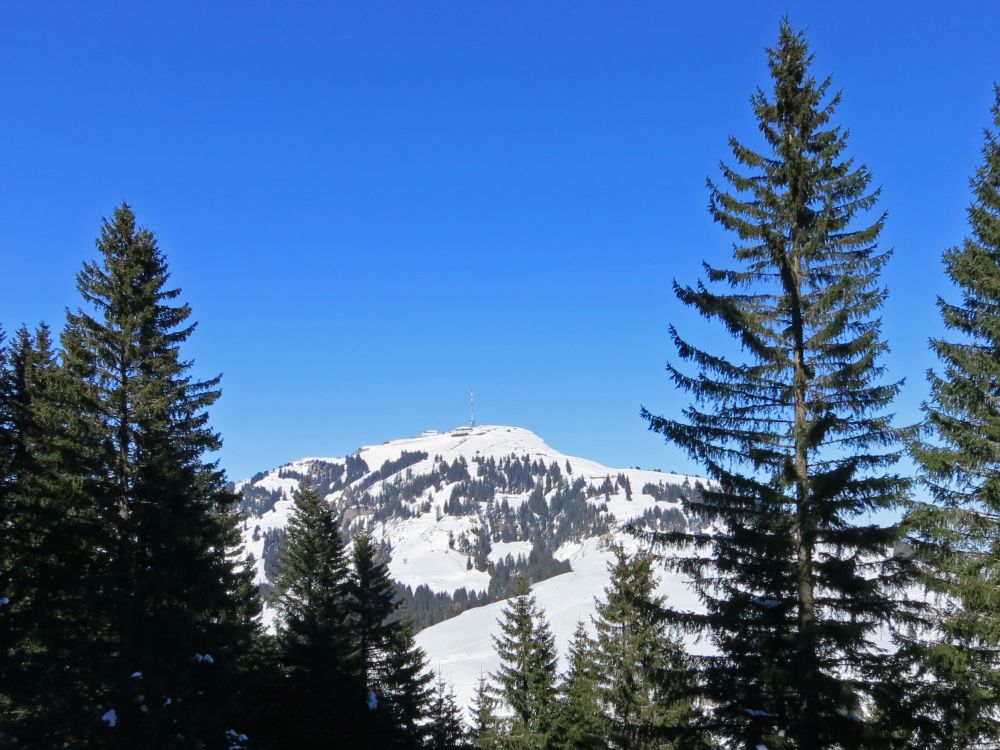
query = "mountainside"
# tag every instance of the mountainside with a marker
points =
(458, 514)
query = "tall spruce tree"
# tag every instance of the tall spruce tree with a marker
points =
(793, 432)
(580, 722)
(527, 674)
(56, 553)
(403, 689)
(643, 683)
(957, 532)
(323, 695)
(373, 604)
(6, 532)
(8, 662)
(391, 667)
(165, 501)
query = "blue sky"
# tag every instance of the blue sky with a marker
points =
(377, 207)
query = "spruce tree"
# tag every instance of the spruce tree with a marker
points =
(390, 666)
(8, 662)
(250, 645)
(527, 674)
(55, 550)
(164, 500)
(644, 685)
(794, 433)
(486, 728)
(446, 729)
(404, 690)
(373, 603)
(323, 694)
(956, 533)
(580, 720)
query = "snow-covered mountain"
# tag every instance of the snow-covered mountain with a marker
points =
(459, 513)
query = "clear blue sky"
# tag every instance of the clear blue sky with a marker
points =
(376, 207)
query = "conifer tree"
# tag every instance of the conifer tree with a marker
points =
(956, 534)
(373, 603)
(580, 720)
(794, 433)
(404, 689)
(8, 662)
(390, 666)
(6, 424)
(165, 502)
(446, 730)
(323, 695)
(644, 685)
(54, 603)
(486, 728)
(266, 692)
(527, 674)
(250, 644)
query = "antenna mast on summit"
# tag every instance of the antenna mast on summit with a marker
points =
(472, 409)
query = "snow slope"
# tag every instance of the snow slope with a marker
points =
(461, 648)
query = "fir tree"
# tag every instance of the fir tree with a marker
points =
(8, 662)
(55, 601)
(446, 730)
(372, 603)
(486, 728)
(957, 533)
(527, 674)
(391, 667)
(323, 694)
(249, 643)
(644, 686)
(403, 690)
(794, 433)
(171, 578)
(580, 720)
(266, 697)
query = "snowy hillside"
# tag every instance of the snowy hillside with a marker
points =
(458, 514)
(461, 648)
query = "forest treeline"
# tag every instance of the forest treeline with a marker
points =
(843, 604)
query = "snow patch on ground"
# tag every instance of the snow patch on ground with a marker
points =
(500, 550)
(421, 555)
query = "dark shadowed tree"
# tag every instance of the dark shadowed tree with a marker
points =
(446, 729)
(8, 663)
(54, 555)
(956, 533)
(322, 696)
(403, 688)
(391, 667)
(372, 603)
(165, 502)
